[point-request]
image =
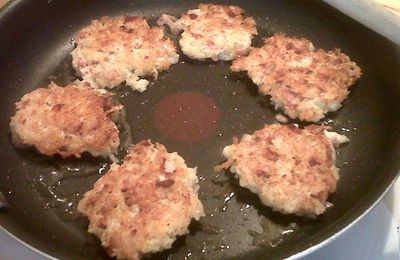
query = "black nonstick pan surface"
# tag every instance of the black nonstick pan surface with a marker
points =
(35, 42)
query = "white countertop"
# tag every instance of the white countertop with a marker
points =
(392, 200)
(375, 236)
(382, 16)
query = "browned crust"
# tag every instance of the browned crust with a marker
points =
(300, 79)
(140, 202)
(67, 121)
(218, 17)
(213, 31)
(283, 164)
(111, 48)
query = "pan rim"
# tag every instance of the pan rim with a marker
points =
(346, 226)
(23, 243)
(295, 256)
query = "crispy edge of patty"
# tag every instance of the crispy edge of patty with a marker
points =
(291, 169)
(141, 206)
(304, 82)
(213, 31)
(114, 50)
(67, 121)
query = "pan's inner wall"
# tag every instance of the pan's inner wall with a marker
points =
(43, 192)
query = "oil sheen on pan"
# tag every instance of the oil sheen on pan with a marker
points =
(186, 116)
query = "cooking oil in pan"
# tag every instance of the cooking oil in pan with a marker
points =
(271, 234)
(235, 221)
(60, 189)
(54, 193)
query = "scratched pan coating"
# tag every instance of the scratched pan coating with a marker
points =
(43, 192)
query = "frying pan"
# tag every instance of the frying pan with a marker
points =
(36, 39)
